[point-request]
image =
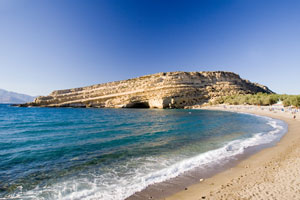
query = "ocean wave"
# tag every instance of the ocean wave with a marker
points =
(139, 173)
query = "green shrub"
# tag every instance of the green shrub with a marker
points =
(259, 99)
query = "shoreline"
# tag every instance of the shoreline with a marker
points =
(271, 173)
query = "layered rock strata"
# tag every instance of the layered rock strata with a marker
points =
(161, 90)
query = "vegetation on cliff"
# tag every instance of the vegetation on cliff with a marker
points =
(262, 99)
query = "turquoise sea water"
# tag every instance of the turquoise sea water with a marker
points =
(68, 153)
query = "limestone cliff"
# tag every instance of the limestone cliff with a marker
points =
(161, 90)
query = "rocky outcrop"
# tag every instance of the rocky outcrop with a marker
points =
(161, 90)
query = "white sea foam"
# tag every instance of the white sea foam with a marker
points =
(113, 186)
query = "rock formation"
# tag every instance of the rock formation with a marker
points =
(161, 90)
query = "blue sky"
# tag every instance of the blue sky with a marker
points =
(49, 45)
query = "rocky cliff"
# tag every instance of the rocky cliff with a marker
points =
(161, 90)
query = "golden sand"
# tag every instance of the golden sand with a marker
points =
(272, 173)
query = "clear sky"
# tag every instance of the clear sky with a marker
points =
(47, 45)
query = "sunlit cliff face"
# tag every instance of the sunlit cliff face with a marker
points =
(161, 90)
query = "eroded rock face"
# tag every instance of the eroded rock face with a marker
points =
(161, 90)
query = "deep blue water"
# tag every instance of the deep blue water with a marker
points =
(73, 153)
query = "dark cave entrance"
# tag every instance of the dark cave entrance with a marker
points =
(138, 105)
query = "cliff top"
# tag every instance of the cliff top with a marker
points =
(162, 74)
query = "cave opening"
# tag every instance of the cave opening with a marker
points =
(139, 105)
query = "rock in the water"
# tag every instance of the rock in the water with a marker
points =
(161, 90)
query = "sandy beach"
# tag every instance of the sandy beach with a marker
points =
(272, 173)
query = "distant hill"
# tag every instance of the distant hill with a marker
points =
(13, 97)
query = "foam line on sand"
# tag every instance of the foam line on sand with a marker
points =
(272, 173)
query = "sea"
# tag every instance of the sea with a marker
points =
(110, 154)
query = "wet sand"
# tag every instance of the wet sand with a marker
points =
(272, 173)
